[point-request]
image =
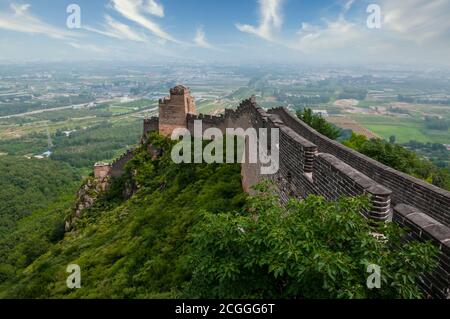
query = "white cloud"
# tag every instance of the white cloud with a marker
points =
(331, 36)
(270, 20)
(87, 47)
(414, 30)
(20, 19)
(200, 39)
(118, 30)
(339, 34)
(154, 8)
(417, 20)
(134, 10)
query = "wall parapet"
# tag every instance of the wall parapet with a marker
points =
(151, 125)
(405, 188)
(303, 170)
(118, 165)
(425, 228)
(309, 148)
(379, 195)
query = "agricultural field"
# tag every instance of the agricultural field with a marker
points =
(407, 127)
(78, 137)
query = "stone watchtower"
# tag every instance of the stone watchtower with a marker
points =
(173, 110)
(102, 171)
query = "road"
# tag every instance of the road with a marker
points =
(75, 106)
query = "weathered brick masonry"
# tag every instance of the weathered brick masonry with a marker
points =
(405, 189)
(174, 109)
(421, 207)
(303, 170)
(310, 163)
(423, 227)
(115, 169)
(118, 166)
(151, 125)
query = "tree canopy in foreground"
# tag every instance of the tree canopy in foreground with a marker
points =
(309, 249)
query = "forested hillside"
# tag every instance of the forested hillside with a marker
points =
(127, 248)
(28, 185)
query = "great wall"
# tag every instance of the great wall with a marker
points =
(311, 163)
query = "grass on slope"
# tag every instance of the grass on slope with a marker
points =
(134, 248)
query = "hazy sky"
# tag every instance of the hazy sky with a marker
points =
(229, 31)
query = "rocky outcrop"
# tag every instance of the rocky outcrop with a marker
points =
(86, 197)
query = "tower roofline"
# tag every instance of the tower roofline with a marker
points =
(179, 90)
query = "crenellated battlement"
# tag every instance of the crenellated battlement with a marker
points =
(118, 165)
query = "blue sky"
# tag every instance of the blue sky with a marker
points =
(229, 31)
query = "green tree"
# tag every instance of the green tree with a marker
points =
(318, 123)
(392, 139)
(356, 141)
(310, 249)
(442, 179)
(28, 185)
(393, 155)
(435, 123)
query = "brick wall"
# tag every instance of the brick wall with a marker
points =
(173, 110)
(424, 228)
(101, 171)
(118, 166)
(303, 170)
(151, 125)
(405, 189)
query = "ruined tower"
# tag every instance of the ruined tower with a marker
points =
(173, 110)
(101, 171)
